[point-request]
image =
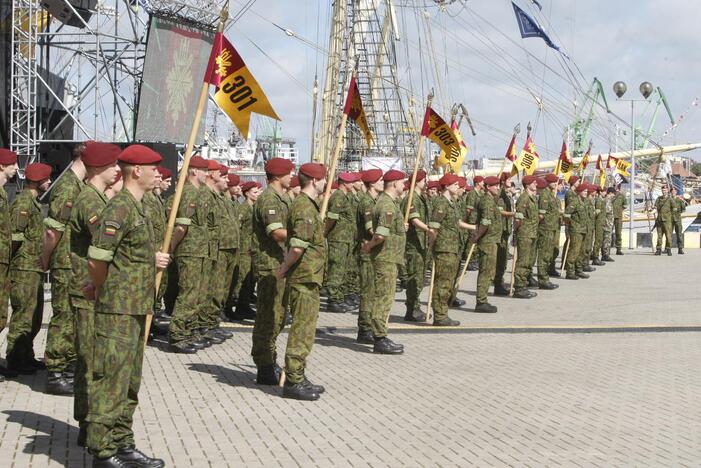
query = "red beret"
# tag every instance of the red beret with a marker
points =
(469, 188)
(407, 184)
(246, 186)
(593, 187)
(165, 172)
(504, 175)
(233, 180)
(98, 154)
(448, 179)
(139, 155)
(198, 162)
(313, 170)
(393, 175)
(223, 170)
(573, 180)
(347, 177)
(37, 172)
(294, 181)
(528, 180)
(279, 167)
(434, 184)
(212, 165)
(334, 186)
(462, 182)
(541, 183)
(491, 180)
(582, 188)
(550, 178)
(7, 157)
(420, 175)
(477, 179)
(371, 176)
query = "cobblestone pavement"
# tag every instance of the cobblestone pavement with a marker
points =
(456, 398)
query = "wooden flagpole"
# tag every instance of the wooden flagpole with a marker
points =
(201, 104)
(417, 163)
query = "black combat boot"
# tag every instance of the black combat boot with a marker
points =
(338, 307)
(136, 458)
(213, 337)
(316, 388)
(182, 347)
(554, 273)
(446, 322)
(680, 251)
(299, 391)
(56, 384)
(669, 252)
(532, 282)
(597, 262)
(268, 375)
(582, 275)
(457, 303)
(619, 252)
(386, 346)
(658, 251)
(485, 308)
(500, 290)
(115, 461)
(607, 258)
(524, 293)
(548, 285)
(226, 334)
(414, 316)
(572, 277)
(588, 268)
(365, 337)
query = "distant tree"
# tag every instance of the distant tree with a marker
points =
(696, 169)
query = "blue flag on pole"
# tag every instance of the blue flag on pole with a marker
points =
(530, 28)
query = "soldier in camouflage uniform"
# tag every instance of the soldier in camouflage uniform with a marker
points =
(446, 221)
(8, 169)
(664, 206)
(678, 207)
(26, 271)
(487, 235)
(419, 239)
(599, 221)
(351, 282)
(587, 247)
(548, 230)
(229, 244)
(243, 290)
(471, 205)
(619, 205)
(340, 223)
(504, 202)
(525, 230)
(190, 245)
(270, 215)
(576, 216)
(156, 211)
(608, 225)
(386, 249)
(100, 160)
(122, 262)
(60, 338)
(374, 184)
(570, 195)
(304, 268)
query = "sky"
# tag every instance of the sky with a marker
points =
(492, 71)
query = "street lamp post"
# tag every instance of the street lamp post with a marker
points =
(619, 88)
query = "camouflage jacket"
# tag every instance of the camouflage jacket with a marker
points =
(663, 204)
(619, 204)
(27, 228)
(419, 210)
(549, 208)
(306, 231)
(364, 218)
(5, 229)
(84, 222)
(342, 210)
(678, 207)
(192, 213)
(63, 195)
(527, 213)
(599, 212)
(387, 221)
(270, 212)
(471, 206)
(245, 226)
(444, 219)
(229, 225)
(505, 204)
(156, 211)
(608, 212)
(124, 240)
(488, 215)
(577, 213)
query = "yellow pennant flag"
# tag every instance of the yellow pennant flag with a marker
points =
(585, 160)
(435, 129)
(622, 167)
(528, 159)
(564, 164)
(238, 93)
(457, 153)
(602, 179)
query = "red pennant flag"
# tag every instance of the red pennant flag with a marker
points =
(354, 110)
(611, 162)
(599, 166)
(511, 150)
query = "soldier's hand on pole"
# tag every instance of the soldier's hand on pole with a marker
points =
(281, 271)
(365, 247)
(406, 227)
(162, 260)
(89, 291)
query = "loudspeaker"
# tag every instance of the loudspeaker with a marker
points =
(60, 10)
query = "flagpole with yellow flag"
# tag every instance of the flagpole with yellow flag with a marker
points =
(201, 104)
(417, 163)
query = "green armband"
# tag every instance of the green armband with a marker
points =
(383, 231)
(486, 222)
(102, 255)
(273, 227)
(299, 243)
(55, 225)
(333, 216)
(18, 237)
(518, 215)
(434, 225)
(183, 221)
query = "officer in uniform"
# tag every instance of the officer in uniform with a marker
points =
(230, 242)
(488, 234)
(8, 169)
(504, 202)
(60, 338)
(599, 221)
(100, 160)
(122, 262)
(608, 225)
(372, 178)
(678, 207)
(351, 282)
(548, 230)
(304, 269)
(418, 241)
(619, 205)
(386, 249)
(156, 211)
(244, 289)
(525, 231)
(190, 246)
(340, 221)
(586, 248)
(576, 219)
(471, 204)
(26, 273)
(664, 205)
(270, 216)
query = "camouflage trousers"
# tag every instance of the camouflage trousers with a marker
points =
(502, 260)
(116, 378)
(84, 322)
(598, 240)
(487, 270)
(169, 284)
(524, 261)
(60, 338)
(446, 264)
(586, 247)
(27, 299)
(244, 284)
(546, 240)
(606, 241)
(416, 266)
(367, 293)
(270, 318)
(573, 263)
(189, 302)
(678, 229)
(4, 293)
(350, 281)
(304, 306)
(385, 289)
(222, 273)
(618, 229)
(162, 288)
(664, 228)
(338, 258)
